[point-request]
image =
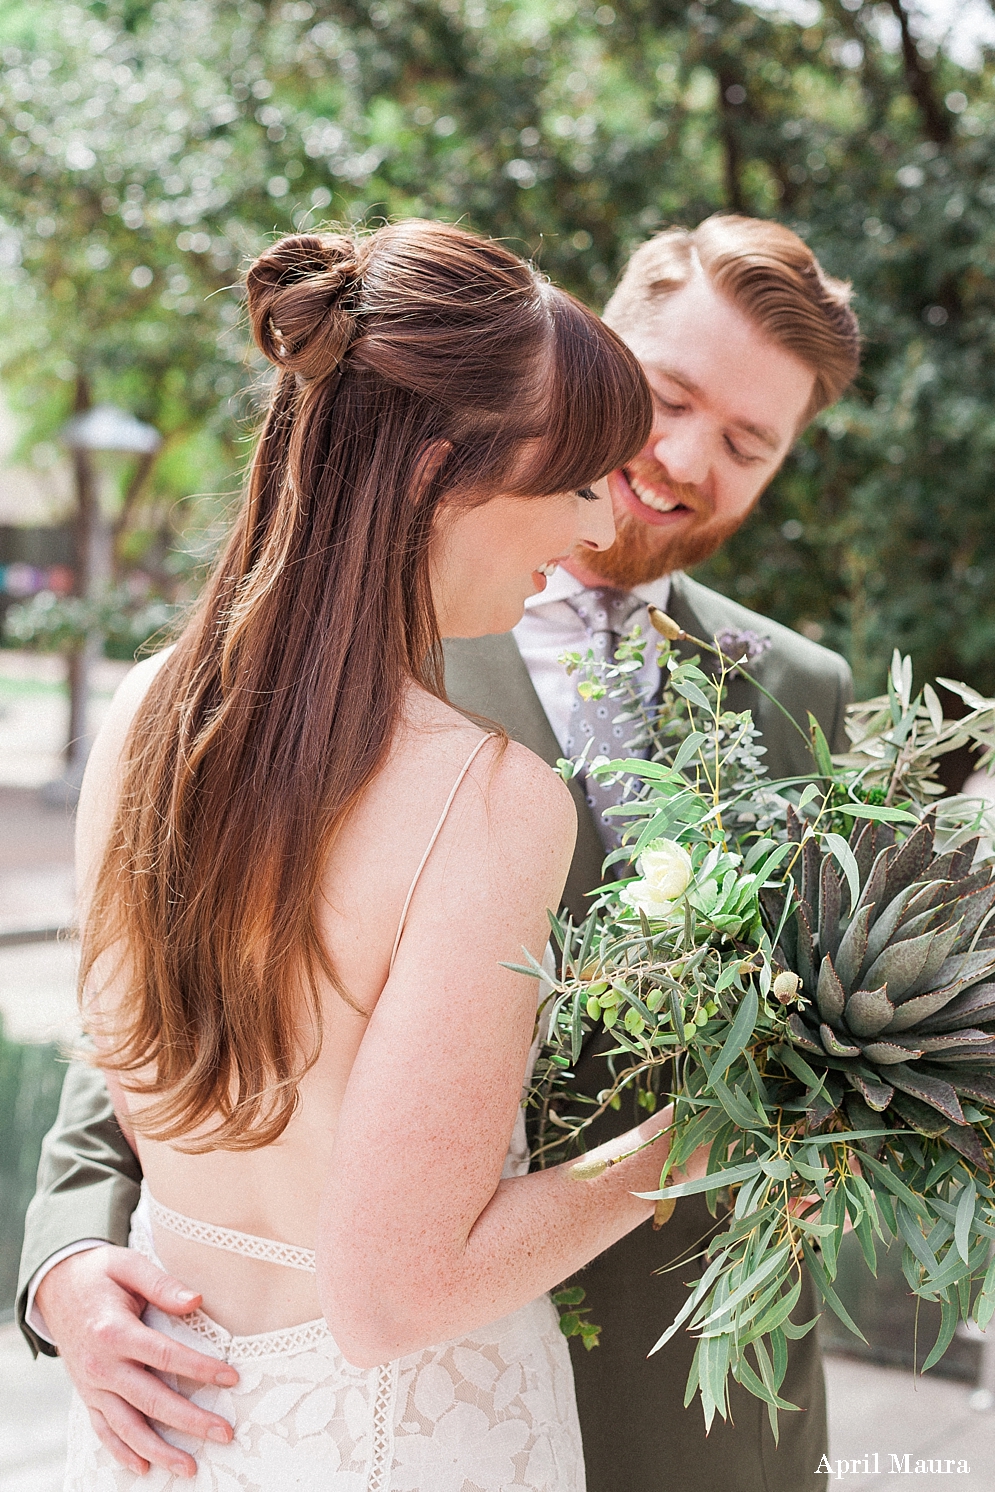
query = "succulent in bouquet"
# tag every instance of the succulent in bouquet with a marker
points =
(895, 962)
(804, 970)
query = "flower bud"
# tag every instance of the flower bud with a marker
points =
(587, 1170)
(663, 1212)
(665, 625)
(666, 872)
(786, 986)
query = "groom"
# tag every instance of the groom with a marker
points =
(743, 339)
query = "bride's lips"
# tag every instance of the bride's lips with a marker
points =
(540, 577)
(623, 480)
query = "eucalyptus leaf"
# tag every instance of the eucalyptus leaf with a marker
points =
(948, 1325)
(965, 1218)
(732, 1176)
(828, 1293)
(879, 815)
(848, 864)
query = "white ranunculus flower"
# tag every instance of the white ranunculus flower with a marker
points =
(666, 872)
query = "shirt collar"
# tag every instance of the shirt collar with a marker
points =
(561, 585)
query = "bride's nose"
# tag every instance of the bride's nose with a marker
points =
(597, 529)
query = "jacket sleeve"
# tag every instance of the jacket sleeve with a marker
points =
(838, 739)
(88, 1183)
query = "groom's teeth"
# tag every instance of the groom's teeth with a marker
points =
(650, 498)
(548, 568)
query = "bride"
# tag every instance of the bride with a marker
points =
(303, 870)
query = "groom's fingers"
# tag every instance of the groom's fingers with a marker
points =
(149, 1396)
(134, 1342)
(121, 1452)
(92, 1305)
(130, 1440)
(135, 1273)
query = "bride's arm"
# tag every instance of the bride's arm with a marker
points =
(419, 1239)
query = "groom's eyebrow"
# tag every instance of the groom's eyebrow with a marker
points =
(767, 437)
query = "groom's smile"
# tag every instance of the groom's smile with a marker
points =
(728, 402)
(647, 492)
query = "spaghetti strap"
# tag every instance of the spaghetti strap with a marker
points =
(248, 1244)
(431, 844)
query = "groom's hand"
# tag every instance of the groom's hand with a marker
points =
(92, 1304)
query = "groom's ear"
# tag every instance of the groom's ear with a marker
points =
(428, 464)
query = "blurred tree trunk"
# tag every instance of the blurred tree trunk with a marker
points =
(936, 120)
(133, 494)
(86, 537)
(729, 112)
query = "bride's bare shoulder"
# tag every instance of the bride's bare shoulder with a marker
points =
(511, 778)
(101, 781)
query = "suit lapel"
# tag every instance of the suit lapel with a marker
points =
(486, 678)
(739, 695)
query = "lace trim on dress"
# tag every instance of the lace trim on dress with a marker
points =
(383, 1428)
(248, 1244)
(264, 1344)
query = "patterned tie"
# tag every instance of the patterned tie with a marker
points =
(604, 613)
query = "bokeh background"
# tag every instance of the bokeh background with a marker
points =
(149, 148)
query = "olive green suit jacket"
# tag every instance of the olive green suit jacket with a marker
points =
(636, 1432)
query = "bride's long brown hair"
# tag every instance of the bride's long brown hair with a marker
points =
(279, 702)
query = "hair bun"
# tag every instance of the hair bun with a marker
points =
(299, 301)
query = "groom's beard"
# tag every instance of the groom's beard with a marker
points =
(642, 552)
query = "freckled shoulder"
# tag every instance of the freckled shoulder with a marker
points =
(523, 784)
(101, 781)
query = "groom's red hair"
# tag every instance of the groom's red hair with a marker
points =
(769, 274)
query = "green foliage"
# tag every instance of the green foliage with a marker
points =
(171, 139)
(573, 1319)
(30, 1083)
(57, 624)
(816, 1008)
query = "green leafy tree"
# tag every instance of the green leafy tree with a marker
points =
(169, 140)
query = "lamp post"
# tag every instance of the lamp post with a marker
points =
(99, 428)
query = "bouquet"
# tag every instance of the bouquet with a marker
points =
(805, 969)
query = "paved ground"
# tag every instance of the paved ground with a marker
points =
(37, 978)
(34, 1398)
(34, 713)
(872, 1409)
(888, 1412)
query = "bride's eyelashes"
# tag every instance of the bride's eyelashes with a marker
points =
(588, 494)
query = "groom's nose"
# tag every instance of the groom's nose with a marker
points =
(683, 453)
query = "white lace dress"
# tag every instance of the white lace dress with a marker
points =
(492, 1412)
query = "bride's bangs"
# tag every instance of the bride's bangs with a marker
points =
(598, 411)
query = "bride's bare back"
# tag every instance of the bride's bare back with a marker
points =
(469, 911)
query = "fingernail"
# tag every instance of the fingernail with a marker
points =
(185, 1296)
(226, 1377)
(216, 1433)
